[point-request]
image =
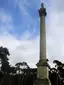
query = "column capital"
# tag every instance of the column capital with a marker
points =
(42, 11)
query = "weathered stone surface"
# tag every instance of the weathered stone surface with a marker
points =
(42, 65)
(42, 82)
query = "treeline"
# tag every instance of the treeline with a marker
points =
(22, 74)
(5, 66)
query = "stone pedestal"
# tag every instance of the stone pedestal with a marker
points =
(42, 82)
(42, 73)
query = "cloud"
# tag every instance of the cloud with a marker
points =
(55, 32)
(26, 48)
(58, 5)
(6, 21)
(21, 50)
(24, 6)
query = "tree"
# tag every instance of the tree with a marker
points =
(56, 74)
(12, 69)
(18, 66)
(4, 59)
(5, 67)
(60, 70)
(53, 76)
(26, 65)
(59, 65)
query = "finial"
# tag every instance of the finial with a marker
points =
(42, 5)
(42, 11)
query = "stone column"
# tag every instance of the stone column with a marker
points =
(42, 14)
(42, 65)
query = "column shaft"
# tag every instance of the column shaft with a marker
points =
(42, 38)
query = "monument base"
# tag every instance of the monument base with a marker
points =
(42, 73)
(42, 82)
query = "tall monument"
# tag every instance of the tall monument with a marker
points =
(42, 65)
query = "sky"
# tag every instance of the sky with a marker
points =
(20, 30)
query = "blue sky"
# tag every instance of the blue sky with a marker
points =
(20, 25)
(24, 15)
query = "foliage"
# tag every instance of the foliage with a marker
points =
(20, 66)
(12, 69)
(56, 74)
(5, 67)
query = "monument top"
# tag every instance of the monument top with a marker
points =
(42, 11)
(42, 5)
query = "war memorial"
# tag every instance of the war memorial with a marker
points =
(42, 65)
